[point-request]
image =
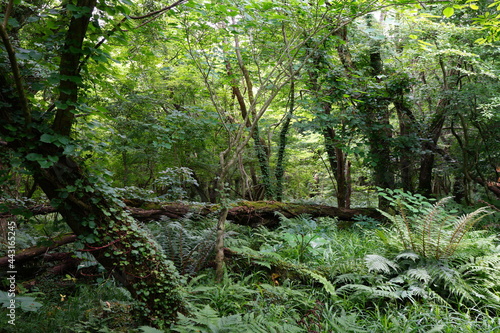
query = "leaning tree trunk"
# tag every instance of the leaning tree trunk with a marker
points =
(91, 210)
(113, 238)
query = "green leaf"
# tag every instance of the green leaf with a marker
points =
(448, 11)
(28, 303)
(149, 329)
(47, 138)
(53, 158)
(71, 188)
(34, 157)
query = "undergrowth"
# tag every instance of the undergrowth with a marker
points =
(431, 271)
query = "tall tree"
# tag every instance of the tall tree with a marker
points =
(46, 149)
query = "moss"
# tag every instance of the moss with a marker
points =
(151, 205)
(267, 205)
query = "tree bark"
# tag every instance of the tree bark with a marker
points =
(250, 213)
(263, 213)
(337, 158)
(407, 128)
(435, 129)
(374, 109)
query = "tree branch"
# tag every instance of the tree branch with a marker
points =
(8, 11)
(15, 68)
(164, 9)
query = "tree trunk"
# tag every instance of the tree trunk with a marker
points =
(337, 159)
(374, 109)
(34, 251)
(113, 238)
(427, 162)
(280, 167)
(90, 209)
(219, 245)
(249, 117)
(407, 128)
(250, 213)
(435, 129)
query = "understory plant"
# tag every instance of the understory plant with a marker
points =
(429, 254)
(188, 247)
(430, 231)
(407, 277)
(243, 303)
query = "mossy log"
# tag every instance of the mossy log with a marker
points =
(257, 213)
(251, 213)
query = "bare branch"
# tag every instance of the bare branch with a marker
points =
(160, 11)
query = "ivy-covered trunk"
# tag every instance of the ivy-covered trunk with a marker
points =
(338, 163)
(337, 158)
(407, 122)
(429, 147)
(375, 112)
(91, 210)
(115, 239)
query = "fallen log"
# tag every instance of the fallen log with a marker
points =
(251, 213)
(264, 213)
(34, 251)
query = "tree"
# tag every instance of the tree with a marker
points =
(46, 149)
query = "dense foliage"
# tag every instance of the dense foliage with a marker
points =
(385, 103)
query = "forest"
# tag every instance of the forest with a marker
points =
(249, 166)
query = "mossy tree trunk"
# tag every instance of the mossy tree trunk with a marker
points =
(103, 228)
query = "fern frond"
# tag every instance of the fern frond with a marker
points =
(428, 222)
(370, 292)
(350, 278)
(327, 285)
(462, 226)
(419, 274)
(451, 282)
(377, 263)
(405, 226)
(435, 233)
(408, 255)
(401, 229)
(188, 249)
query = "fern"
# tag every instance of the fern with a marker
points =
(419, 274)
(434, 233)
(207, 320)
(187, 248)
(458, 282)
(327, 285)
(380, 264)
